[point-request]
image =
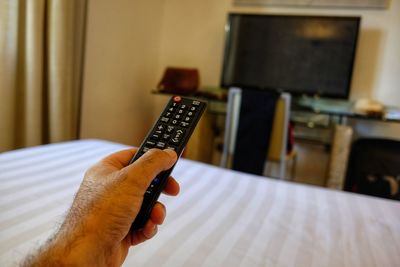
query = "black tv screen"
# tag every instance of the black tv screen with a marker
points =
(311, 55)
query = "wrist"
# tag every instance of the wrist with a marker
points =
(67, 249)
(79, 247)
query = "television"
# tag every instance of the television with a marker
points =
(311, 55)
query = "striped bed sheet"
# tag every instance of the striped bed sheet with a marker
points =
(220, 218)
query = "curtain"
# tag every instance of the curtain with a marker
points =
(41, 64)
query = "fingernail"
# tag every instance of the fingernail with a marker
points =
(154, 232)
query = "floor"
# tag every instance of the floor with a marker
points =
(311, 165)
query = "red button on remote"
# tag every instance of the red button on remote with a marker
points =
(177, 99)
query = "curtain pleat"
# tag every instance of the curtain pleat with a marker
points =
(30, 75)
(8, 70)
(44, 49)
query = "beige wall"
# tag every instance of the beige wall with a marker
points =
(129, 43)
(122, 53)
(193, 36)
(193, 31)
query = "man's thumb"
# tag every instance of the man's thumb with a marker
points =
(149, 165)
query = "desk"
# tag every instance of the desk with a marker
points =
(321, 132)
(217, 98)
(343, 109)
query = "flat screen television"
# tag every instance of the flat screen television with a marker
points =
(312, 55)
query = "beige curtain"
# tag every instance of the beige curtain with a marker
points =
(41, 52)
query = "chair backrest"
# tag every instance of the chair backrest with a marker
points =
(279, 132)
(278, 145)
(374, 168)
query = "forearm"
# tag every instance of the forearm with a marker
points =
(66, 248)
(50, 254)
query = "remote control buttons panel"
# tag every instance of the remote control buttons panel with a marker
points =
(172, 130)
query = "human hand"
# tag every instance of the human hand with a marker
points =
(96, 229)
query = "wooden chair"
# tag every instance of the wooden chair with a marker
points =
(278, 151)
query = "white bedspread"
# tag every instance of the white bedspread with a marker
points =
(221, 217)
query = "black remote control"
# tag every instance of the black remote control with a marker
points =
(172, 130)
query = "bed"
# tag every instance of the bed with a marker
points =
(221, 217)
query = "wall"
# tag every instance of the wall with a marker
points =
(121, 68)
(129, 44)
(193, 36)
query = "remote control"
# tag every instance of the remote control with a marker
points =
(172, 130)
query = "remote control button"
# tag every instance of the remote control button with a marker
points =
(174, 122)
(166, 137)
(160, 145)
(181, 111)
(177, 98)
(171, 147)
(150, 143)
(193, 108)
(178, 136)
(174, 104)
(158, 132)
(153, 185)
(196, 103)
(170, 129)
(164, 119)
(145, 149)
(183, 106)
(184, 124)
(178, 117)
(171, 110)
(187, 119)
(155, 136)
(160, 127)
(149, 190)
(190, 114)
(168, 114)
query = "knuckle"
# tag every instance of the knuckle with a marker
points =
(155, 153)
(162, 206)
(155, 158)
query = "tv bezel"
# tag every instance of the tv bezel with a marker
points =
(346, 92)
